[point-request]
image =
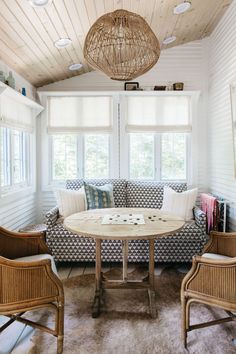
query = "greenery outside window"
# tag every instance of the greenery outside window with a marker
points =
(15, 156)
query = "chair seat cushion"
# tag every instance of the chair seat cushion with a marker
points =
(39, 257)
(215, 256)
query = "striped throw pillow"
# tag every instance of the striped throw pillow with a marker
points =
(99, 197)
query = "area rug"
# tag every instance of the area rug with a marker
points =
(125, 327)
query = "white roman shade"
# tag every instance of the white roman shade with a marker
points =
(158, 114)
(79, 114)
(14, 114)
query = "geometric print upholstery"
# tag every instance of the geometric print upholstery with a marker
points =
(179, 247)
(119, 188)
(149, 194)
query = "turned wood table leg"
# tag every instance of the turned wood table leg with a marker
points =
(151, 290)
(125, 245)
(98, 275)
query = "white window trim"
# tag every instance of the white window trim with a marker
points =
(16, 190)
(119, 158)
(46, 146)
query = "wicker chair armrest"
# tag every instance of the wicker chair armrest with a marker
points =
(15, 244)
(221, 243)
(211, 277)
(24, 281)
(200, 219)
(51, 217)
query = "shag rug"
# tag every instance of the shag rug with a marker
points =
(125, 327)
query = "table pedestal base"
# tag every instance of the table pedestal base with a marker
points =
(103, 283)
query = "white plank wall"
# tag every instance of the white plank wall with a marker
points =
(222, 69)
(185, 63)
(17, 212)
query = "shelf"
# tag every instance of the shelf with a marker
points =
(114, 92)
(18, 97)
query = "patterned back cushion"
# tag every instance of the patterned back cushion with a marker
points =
(99, 197)
(119, 188)
(149, 194)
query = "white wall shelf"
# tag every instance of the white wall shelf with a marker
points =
(124, 93)
(18, 97)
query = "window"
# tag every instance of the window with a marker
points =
(158, 156)
(173, 156)
(5, 157)
(96, 156)
(19, 156)
(80, 129)
(80, 156)
(139, 136)
(64, 157)
(158, 129)
(14, 158)
(141, 156)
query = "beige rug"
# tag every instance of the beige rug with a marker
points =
(124, 327)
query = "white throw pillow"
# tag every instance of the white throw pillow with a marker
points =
(70, 201)
(180, 204)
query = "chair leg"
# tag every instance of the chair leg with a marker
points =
(60, 328)
(185, 321)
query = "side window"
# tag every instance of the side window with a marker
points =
(15, 156)
(5, 158)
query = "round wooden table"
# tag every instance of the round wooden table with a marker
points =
(156, 224)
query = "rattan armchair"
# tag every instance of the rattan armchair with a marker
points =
(29, 285)
(211, 281)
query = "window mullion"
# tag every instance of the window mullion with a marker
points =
(157, 156)
(11, 158)
(80, 158)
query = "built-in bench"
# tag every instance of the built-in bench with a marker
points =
(179, 247)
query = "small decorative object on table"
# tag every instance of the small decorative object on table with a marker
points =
(23, 91)
(34, 228)
(159, 88)
(124, 219)
(131, 86)
(178, 86)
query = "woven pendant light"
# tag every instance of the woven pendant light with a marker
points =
(122, 45)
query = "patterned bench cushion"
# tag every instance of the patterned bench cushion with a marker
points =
(119, 188)
(179, 247)
(149, 194)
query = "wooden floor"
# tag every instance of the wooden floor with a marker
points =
(16, 339)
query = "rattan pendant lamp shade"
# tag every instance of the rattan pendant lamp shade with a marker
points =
(122, 45)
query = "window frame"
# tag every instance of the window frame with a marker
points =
(47, 182)
(157, 158)
(80, 157)
(119, 142)
(25, 162)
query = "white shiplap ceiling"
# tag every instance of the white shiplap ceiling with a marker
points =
(27, 34)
